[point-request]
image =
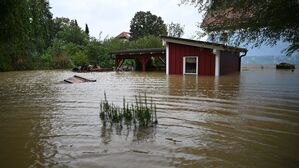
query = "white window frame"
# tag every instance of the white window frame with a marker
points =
(184, 65)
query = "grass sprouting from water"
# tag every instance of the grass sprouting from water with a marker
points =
(141, 112)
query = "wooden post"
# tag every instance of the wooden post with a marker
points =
(143, 60)
(118, 63)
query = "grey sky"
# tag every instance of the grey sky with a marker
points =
(112, 17)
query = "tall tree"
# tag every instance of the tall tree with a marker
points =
(86, 29)
(145, 23)
(258, 22)
(14, 33)
(175, 30)
(72, 33)
(40, 21)
(59, 23)
(24, 32)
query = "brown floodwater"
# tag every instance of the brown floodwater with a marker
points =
(249, 119)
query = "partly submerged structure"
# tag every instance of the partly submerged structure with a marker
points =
(141, 55)
(185, 56)
(78, 79)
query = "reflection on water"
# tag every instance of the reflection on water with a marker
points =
(241, 120)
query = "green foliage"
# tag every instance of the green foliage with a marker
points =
(80, 58)
(56, 56)
(145, 23)
(73, 34)
(31, 39)
(24, 31)
(175, 30)
(86, 29)
(258, 22)
(93, 50)
(40, 22)
(58, 24)
(146, 42)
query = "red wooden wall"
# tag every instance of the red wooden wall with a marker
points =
(206, 59)
(229, 62)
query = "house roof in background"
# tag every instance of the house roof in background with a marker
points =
(124, 35)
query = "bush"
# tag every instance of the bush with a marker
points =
(56, 56)
(80, 58)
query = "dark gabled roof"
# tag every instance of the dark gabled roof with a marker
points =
(140, 51)
(202, 44)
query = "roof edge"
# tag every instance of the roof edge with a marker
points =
(139, 50)
(202, 44)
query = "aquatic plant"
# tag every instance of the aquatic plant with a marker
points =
(141, 112)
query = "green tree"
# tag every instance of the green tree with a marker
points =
(257, 22)
(86, 29)
(149, 41)
(175, 30)
(14, 33)
(59, 24)
(72, 33)
(40, 22)
(145, 23)
(80, 58)
(24, 32)
(93, 50)
(56, 56)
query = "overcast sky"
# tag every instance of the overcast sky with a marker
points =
(112, 17)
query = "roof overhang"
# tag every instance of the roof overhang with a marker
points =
(202, 44)
(136, 52)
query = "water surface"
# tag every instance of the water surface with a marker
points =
(241, 120)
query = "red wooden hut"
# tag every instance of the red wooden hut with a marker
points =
(185, 56)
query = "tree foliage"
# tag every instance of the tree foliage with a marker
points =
(258, 22)
(145, 23)
(86, 29)
(175, 30)
(24, 32)
(72, 33)
(31, 39)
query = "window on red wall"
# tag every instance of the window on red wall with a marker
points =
(190, 65)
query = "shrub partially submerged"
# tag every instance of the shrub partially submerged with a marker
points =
(142, 112)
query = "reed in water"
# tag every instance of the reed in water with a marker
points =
(141, 112)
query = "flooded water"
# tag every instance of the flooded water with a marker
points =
(241, 120)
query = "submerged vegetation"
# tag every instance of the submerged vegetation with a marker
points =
(141, 113)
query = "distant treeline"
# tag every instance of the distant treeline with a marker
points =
(31, 39)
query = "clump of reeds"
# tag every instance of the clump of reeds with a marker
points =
(141, 112)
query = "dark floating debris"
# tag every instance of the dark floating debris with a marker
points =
(284, 65)
(78, 79)
(141, 113)
(173, 140)
(139, 151)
